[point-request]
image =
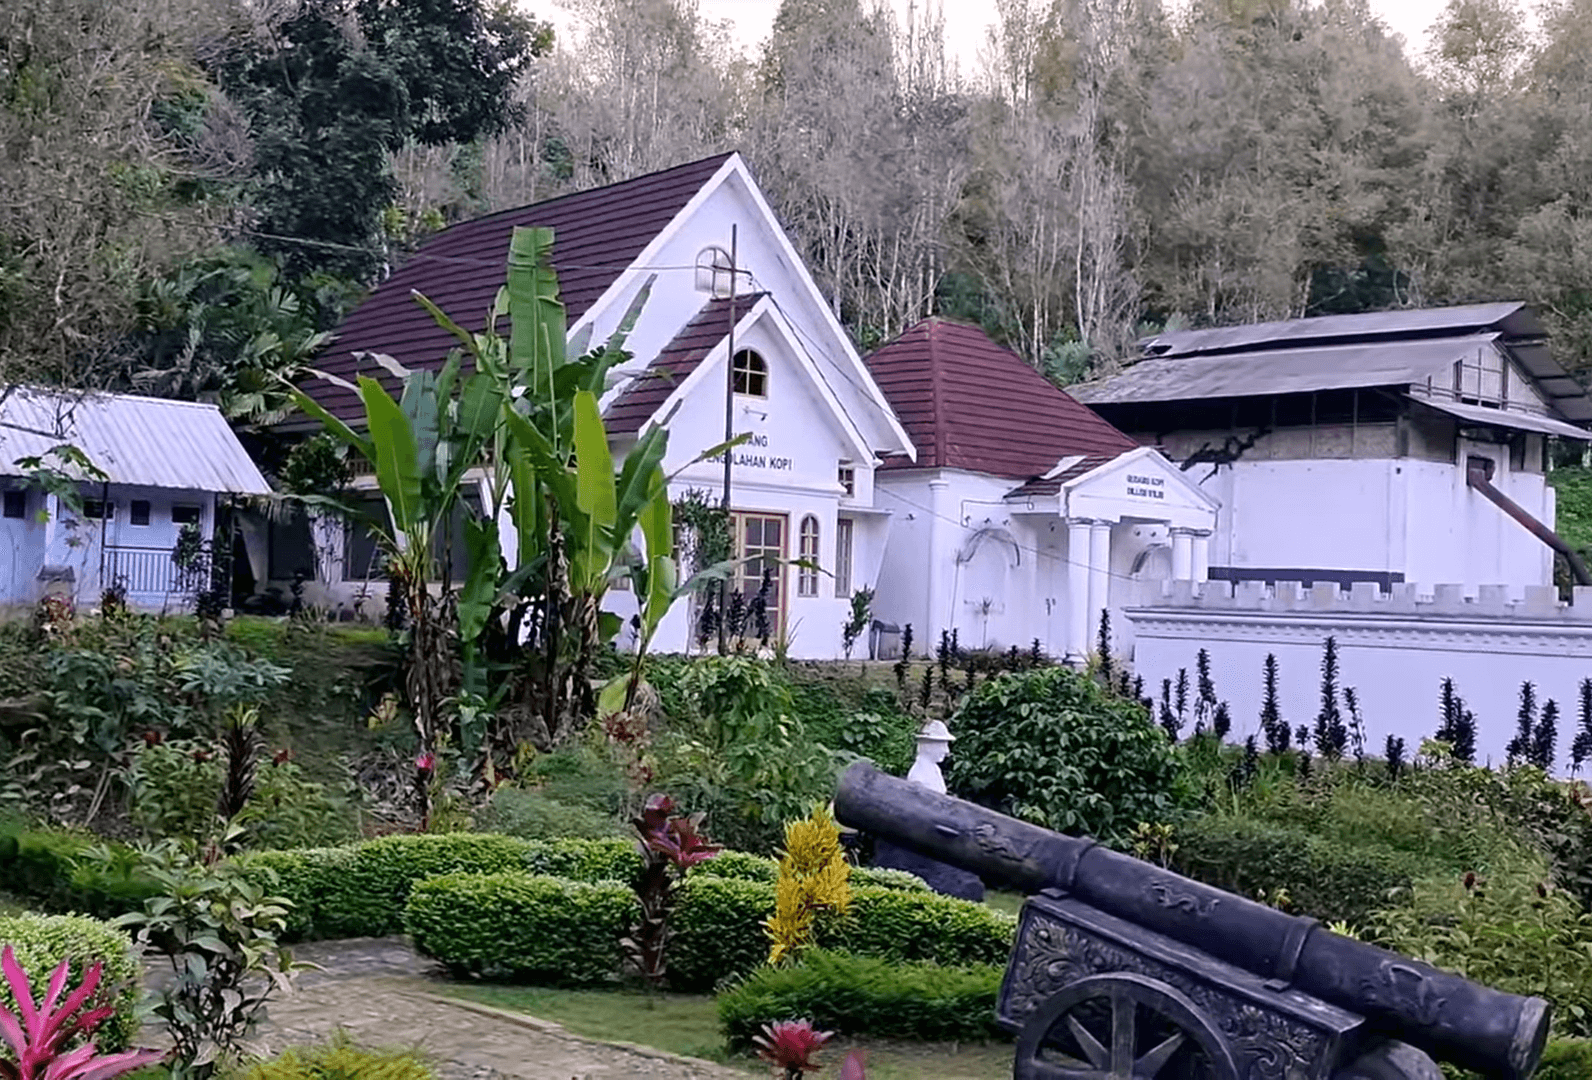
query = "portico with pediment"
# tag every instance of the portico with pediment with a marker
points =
(1134, 517)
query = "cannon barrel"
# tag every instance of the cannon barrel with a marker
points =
(1450, 1017)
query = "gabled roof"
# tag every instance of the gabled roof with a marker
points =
(143, 441)
(1382, 348)
(970, 404)
(1511, 318)
(640, 400)
(599, 234)
(1285, 370)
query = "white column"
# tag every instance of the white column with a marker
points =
(1099, 576)
(1182, 554)
(1202, 555)
(1078, 563)
(944, 527)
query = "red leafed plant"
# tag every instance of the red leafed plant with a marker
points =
(670, 845)
(37, 1034)
(791, 1047)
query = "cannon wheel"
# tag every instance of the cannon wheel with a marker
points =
(1055, 1045)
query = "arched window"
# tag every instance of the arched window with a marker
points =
(751, 374)
(713, 271)
(807, 582)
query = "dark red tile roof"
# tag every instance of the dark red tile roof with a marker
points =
(1051, 485)
(646, 394)
(970, 404)
(598, 234)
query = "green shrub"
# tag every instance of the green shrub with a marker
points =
(50, 867)
(533, 815)
(367, 899)
(312, 880)
(338, 1060)
(1321, 878)
(740, 865)
(176, 784)
(904, 926)
(716, 928)
(614, 859)
(41, 942)
(1566, 1059)
(888, 879)
(852, 995)
(1052, 747)
(514, 926)
(1507, 930)
(579, 777)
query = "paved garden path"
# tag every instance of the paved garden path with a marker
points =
(384, 995)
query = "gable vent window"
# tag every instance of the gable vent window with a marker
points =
(16, 504)
(807, 581)
(1481, 379)
(848, 481)
(713, 272)
(138, 512)
(750, 375)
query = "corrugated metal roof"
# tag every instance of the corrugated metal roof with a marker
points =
(1519, 421)
(968, 403)
(1283, 371)
(598, 234)
(150, 442)
(645, 394)
(1511, 317)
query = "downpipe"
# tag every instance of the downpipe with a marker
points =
(1478, 475)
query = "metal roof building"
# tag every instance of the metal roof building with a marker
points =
(137, 441)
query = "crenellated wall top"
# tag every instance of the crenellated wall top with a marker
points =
(1537, 604)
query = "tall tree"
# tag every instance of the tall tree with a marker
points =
(335, 87)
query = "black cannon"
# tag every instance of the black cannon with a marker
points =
(1124, 970)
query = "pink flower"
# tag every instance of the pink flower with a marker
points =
(426, 762)
(791, 1045)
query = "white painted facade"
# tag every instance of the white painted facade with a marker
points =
(1003, 570)
(1413, 519)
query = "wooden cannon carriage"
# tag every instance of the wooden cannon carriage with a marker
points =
(1126, 971)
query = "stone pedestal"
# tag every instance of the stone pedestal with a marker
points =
(942, 878)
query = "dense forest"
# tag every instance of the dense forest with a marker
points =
(192, 192)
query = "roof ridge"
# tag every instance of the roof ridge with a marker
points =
(719, 159)
(89, 395)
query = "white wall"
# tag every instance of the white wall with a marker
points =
(1394, 650)
(1412, 517)
(141, 553)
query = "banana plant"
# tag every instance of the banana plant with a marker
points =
(425, 449)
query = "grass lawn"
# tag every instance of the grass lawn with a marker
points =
(688, 1024)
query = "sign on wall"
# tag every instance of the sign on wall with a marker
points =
(753, 454)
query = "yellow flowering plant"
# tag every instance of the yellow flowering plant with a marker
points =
(813, 876)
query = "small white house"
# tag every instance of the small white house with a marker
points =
(165, 465)
(1024, 514)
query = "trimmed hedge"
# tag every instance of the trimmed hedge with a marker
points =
(853, 995)
(1323, 879)
(549, 929)
(515, 926)
(339, 1059)
(48, 867)
(41, 942)
(744, 866)
(360, 891)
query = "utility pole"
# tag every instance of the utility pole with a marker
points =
(729, 433)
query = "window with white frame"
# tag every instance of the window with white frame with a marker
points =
(848, 480)
(750, 374)
(807, 580)
(843, 528)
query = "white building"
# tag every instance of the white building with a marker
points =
(1365, 466)
(954, 531)
(165, 465)
(1024, 514)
